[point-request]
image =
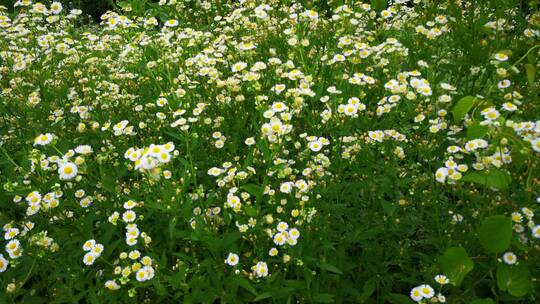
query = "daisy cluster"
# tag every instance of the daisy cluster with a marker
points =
(150, 157)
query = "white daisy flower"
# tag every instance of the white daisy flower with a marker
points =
(112, 285)
(88, 245)
(536, 232)
(67, 171)
(509, 258)
(261, 269)
(56, 7)
(501, 57)
(282, 226)
(441, 279)
(535, 143)
(232, 259)
(89, 258)
(3, 263)
(43, 139)
(171, 23)
(416, 294)
(427, 291)
(315, 146)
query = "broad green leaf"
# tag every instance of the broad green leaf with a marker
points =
(495, 233)
(476, 130)
(455, 263)
(253, 189)
(531, 58)
(108, 178)
(516, 279)
(122, 4)
(379, 5)
(493, 178)
(518, 159)
(530, 70)
(463, 106)
(267, 154)
(330, 267)
(229, 238)
(250, 210)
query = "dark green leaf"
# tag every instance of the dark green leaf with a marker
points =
(518, 158)
(463, 106)
(455, 263)
(516, 279)
(250, 210)
(493, 178)
(253, 189)
(530, 70)
(495, 233)
(476, 130)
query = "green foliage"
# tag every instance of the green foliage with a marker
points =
(476, 130)
(456, 264)
(531, 73)
(516, 280)
(495, 233)
(493, 178)
(463, 106)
